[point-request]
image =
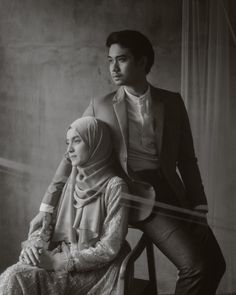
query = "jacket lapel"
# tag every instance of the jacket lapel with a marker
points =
(158, 114)
(120, 109)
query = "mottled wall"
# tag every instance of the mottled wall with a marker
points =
(52, 61)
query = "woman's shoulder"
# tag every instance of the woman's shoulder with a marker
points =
(115, 188)
(116, 182)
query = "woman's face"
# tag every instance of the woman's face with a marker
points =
(77, 150)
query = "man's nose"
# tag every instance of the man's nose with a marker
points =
(115, 67)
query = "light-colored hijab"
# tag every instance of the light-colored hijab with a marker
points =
(81, 211)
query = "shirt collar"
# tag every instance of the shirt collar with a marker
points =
(138, 99)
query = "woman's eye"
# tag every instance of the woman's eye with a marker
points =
(77, 140)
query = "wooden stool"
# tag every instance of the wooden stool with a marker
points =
(132, 286)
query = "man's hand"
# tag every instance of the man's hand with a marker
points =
(30, 255)
(41, 220)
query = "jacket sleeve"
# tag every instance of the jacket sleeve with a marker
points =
(187, 163)
(53, 193)
(90, 110)
(113, 234)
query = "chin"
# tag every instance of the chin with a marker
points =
(75, 163)
(118, 82)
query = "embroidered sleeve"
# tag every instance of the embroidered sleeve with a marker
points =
(113, 233)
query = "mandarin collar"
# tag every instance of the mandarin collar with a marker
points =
(138, 99)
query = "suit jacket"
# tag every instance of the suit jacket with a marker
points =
(174, 142)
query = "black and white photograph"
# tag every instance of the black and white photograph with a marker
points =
(117, 147)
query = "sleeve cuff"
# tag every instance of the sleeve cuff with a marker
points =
(201, 208)
(46, 208)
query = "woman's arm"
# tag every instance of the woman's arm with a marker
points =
(113, 234)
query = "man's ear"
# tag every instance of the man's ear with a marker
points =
(143, 62)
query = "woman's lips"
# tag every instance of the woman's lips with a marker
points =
(116, 77)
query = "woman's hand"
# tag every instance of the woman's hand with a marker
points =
(52, 260)
(30, 255)
(46, 260)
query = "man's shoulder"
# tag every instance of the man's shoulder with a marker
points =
(106, 97)
(163, 93)
(102, 104)
(167, 96)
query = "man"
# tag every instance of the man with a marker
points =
(153, 143)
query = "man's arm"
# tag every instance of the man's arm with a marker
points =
(187, 164)
(90, 110)
(53, 193)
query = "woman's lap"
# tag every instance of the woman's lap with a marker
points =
(21, 279)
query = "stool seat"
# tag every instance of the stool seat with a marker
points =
(127, 285)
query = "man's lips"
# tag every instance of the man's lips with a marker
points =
(116, 76)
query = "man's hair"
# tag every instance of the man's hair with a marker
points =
(137, 43)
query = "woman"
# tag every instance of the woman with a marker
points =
(87, 244)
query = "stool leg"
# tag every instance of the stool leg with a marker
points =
(151, 266)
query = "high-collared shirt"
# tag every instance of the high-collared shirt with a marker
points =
(142, 152)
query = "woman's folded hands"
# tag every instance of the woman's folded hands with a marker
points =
(49, 260)
(53, 260)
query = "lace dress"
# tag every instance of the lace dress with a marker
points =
(97, 267)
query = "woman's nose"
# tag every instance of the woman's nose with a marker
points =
(70, 148)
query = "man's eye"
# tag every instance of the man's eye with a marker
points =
(122, 59)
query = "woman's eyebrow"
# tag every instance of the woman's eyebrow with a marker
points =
(72, 138)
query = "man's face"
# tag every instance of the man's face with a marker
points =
(124, 69)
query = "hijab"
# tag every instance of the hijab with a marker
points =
(81, 211)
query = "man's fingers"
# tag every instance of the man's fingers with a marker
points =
(21, 257)
(25, 258)
(30, 255)
(36, 253)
